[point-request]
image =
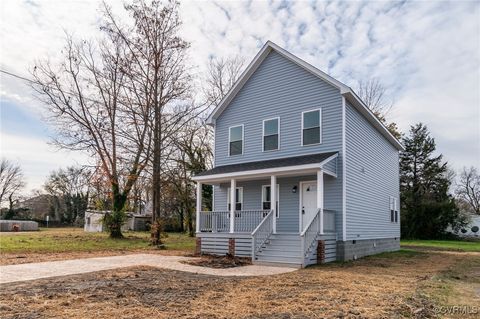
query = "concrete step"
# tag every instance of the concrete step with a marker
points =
(276, 241)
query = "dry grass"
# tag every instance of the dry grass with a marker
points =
(388, 286)
(50, 244)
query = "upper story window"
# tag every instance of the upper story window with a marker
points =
(235, 139)
(311, 127)
(271, 134)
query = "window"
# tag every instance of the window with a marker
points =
(311, 127)
(238, 196)
(271, 129)
(393, 210)
(266, 198)
(235, 138)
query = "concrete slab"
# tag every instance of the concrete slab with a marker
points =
(32, 271)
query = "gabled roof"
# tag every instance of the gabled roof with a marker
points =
(346, 91)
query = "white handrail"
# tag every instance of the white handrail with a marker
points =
(310, 230)
(263, 232)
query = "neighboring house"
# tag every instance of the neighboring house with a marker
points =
(289, 134)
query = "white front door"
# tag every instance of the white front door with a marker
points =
(308, 202)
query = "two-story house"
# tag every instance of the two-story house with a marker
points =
(304, 172)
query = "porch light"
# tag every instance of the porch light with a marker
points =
(294, 189)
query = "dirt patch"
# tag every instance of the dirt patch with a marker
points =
(219, 261)
(19, 258)
(376, 287)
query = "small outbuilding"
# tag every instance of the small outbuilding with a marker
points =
(94, 221)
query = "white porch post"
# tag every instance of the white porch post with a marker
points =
(199, 206)
(233, 201)
(273, 201)
(320, 197)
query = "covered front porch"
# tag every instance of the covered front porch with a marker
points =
(305, 204)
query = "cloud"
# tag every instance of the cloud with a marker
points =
(427, 54)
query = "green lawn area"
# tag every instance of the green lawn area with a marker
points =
(457, 245)
(57, 240)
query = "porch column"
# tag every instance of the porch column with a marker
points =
(199, 206)
(273, 201)
(233, 201)
(320, 198)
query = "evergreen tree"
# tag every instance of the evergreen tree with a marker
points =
(427, 208)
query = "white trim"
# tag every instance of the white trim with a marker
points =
(243, 139)
(278, 133)
(233, 201)
(320, 197)
(319, 123)
(278, 198)
(300, 199)
(266, 171)
(199, 206)
(344, 89)
(344, 172)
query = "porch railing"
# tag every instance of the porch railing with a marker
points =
(247, 220)
(217, 221)
(261, 234)
(310, 233)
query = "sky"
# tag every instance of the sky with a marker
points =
(426, 54)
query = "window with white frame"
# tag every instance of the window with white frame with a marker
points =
(238, 197)
(235, 140)
(393, 210)
(271, 134)
(311, 127)
(266, 198)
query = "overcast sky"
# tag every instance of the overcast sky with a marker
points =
(427, 55)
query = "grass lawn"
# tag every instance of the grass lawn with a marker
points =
(404, 284)
(456, 245)
(63, 240)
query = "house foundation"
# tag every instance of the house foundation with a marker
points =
(354, 249)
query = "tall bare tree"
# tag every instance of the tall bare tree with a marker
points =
(468, 189)
(93, 102)
(11, 180)
(158, 55)
(373, 94)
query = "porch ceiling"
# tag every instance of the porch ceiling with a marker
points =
(288, 166)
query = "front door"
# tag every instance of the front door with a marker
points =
(308, 202)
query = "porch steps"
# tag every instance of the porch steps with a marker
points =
(281, 250)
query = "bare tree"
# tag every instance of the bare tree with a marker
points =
(468, 189)
(373, 94)
(158, 55)
(69, 189)
(221, 76)
(11, 180)
(93, 103)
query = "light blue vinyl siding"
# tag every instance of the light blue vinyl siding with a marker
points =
(372, 177)
(288, 201)
(279, 88)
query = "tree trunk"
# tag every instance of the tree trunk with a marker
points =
(117, 218)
